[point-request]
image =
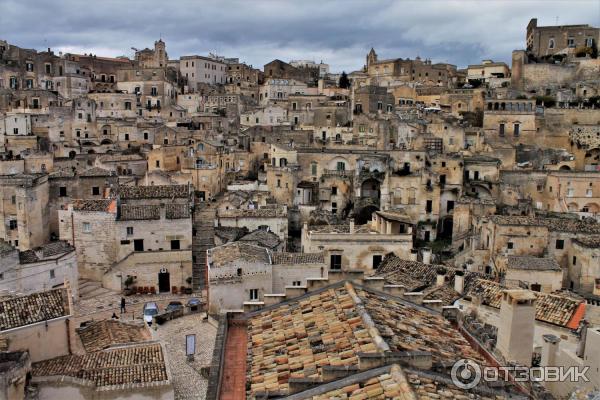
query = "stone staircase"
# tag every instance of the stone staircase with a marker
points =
(89, 289)
(203, 239)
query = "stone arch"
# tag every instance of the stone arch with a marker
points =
(106, 141)
(371, 188)
(564, 168)
(444, 227)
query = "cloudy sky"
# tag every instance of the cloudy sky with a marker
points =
(339, 32)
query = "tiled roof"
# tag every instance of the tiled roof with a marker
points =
(533, 263)
(5, 247)
(140, 364)
(263, 212)
(92, 205)
(330, 327)
(154, 192)
(413, 275)
(145, 212)
(406, 327)
(589, 241)
(339, 228)
(298, 258)
(551, 308)
(177, 211)
(227, 253)
(553, 224)
(262, 238)
(99, 335)
(96, 172)
(35, 307)
(230, 233)
(48, 250)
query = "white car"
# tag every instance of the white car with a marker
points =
(150, 310)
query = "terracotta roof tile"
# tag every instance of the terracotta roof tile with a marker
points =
(298, 258)
(35, 307)
(111, 367)
(99, 335)
(153, 192)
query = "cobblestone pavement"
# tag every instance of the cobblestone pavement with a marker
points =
(102, 307)
(187, 381)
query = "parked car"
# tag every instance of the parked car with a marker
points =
(174, 305)
(194, 304)
(150, 310)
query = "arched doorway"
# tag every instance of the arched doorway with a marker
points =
(164, 281)
(365, 214)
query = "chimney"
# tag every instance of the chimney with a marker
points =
(516, 326)
(582, 339)
(459, 282)
(351, 226)
(413, 254)
(440, 278)
(426, 254)
(549, 350)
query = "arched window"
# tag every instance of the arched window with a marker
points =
(551, 44)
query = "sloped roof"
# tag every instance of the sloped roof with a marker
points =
(235, 251)
(45, 251)
(36, 307)
(298, 258)
(552, 308)
(331, 326)
(98, 335)
(134, 212)
(262, 238)
(139, 364)
(533, 263)
(153, 192)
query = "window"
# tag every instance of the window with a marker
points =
(449, 205)
(16, 131)
(129, 230)
(127, 136)
(87, 227)
(588, 193)
(334, 190)
(157, 164)
(560, 244)
(95, 191)
(334, 208)
(377, 261)
(335, 261)
(297, 283)
(128, 105)
(12, 224)
(175, 245)
(13, 199)
(510, 245)
(429, 206)
(341, 166)
(570, 192)
(62, 191)
(313, 168)
(571, 42)
(501, 130)
(52, 275)
(574, 260)
(516, 130)
(253, 294)
(551, 44)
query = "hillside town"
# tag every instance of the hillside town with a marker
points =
(202, 228)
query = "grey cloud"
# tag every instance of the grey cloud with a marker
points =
(338, 32)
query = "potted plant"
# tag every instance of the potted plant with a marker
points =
(128, 282)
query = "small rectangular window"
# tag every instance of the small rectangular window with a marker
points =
(95, 191)
(253, 294)
(129, 230)
(87, 227)
(335, 261)
(377, 261)
(560, 244)
(62, 191)
(52, 275)
(510, 245)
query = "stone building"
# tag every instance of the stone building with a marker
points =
(198, 69)
(560, 39)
